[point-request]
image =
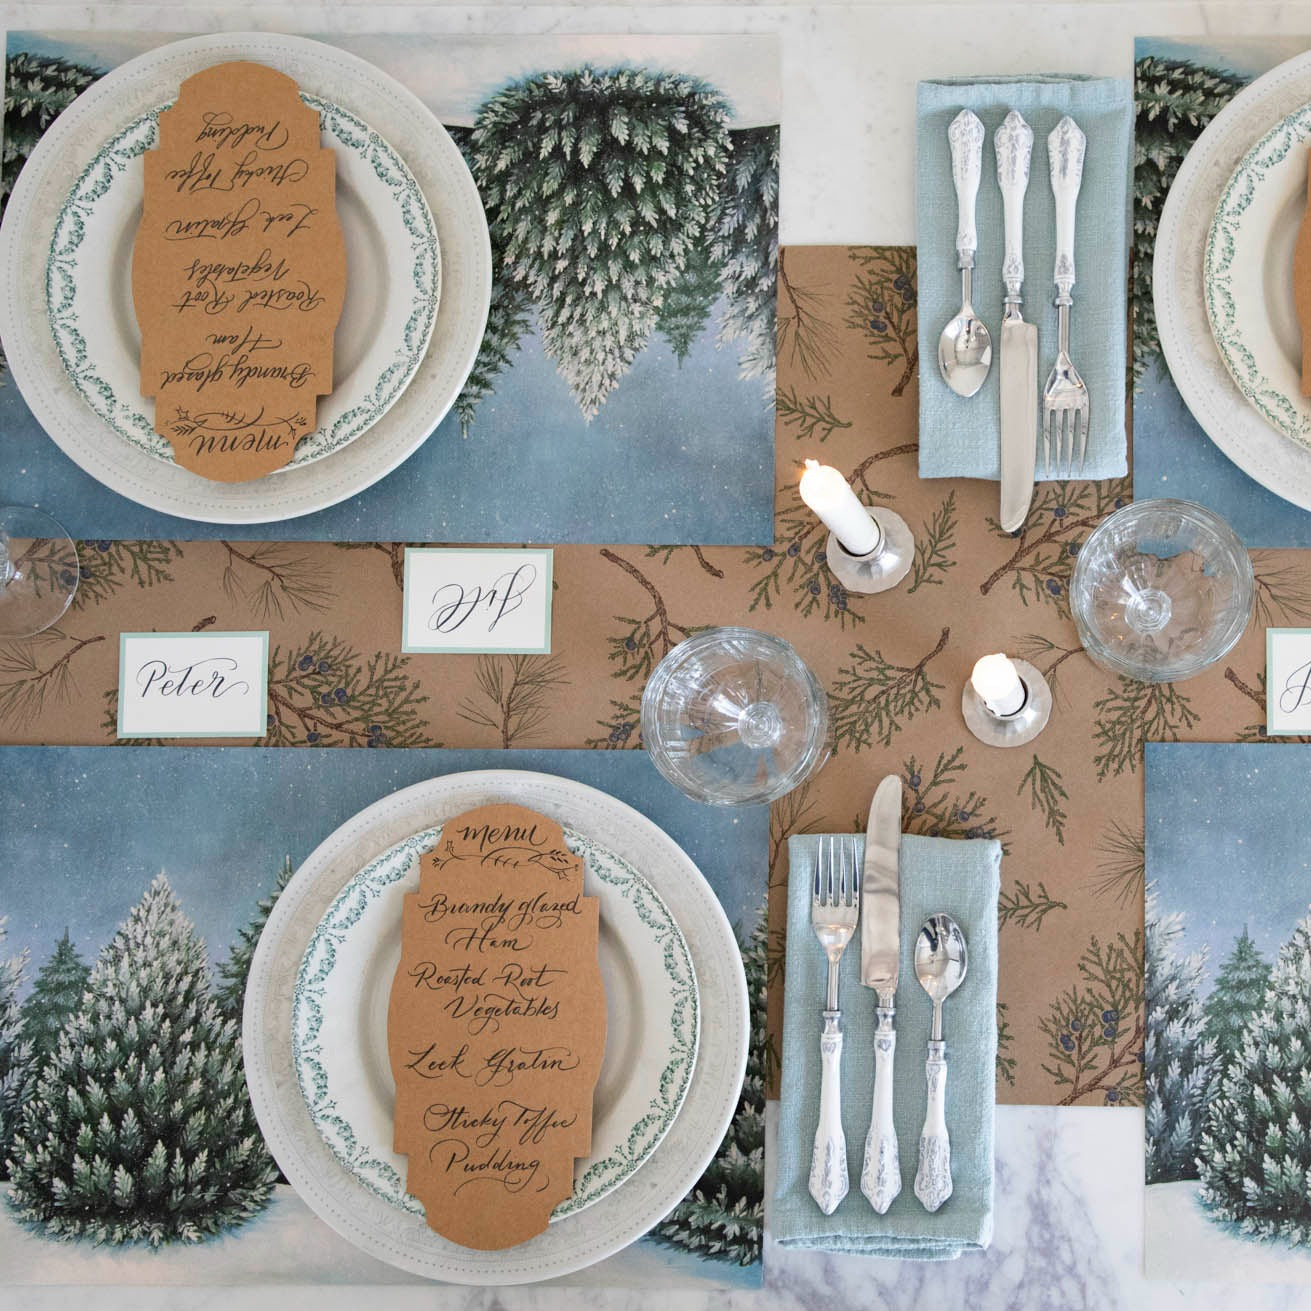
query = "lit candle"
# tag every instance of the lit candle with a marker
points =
(995, 680)
(829, 494)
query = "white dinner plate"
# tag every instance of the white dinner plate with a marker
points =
(1248, 275)
(400, 1237)
(393, 282)
(120, 98)
(1190, 350)
(343, 987)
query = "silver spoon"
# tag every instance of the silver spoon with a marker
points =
(940, 964)
(965, 348)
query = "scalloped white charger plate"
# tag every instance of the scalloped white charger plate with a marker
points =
(343, 987)
(121, 97)
(393, 284)
(399, 1237)
(1194, 360)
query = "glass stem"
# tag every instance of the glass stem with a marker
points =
(6, 564)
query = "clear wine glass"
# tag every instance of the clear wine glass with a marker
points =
(734, 717)
(1161, 589)
(39, 571)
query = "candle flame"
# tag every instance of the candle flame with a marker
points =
(810, 464)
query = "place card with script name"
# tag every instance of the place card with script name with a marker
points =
(1288, 682)
(460, 601)
(496, 1026)
(193, 684)
(238, 272)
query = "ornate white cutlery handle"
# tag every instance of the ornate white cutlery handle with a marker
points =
(1014, 145)
(1065, 150)
(880, 1180)
(965, 135)
(828, 1161)
(933, 1178)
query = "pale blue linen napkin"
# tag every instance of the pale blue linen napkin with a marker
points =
(960, 437)
(962, 879)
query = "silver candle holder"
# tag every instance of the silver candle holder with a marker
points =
(1015, 729)
(884, 565)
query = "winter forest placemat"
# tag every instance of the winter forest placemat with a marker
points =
(1228, 1013)
(625, 387)
(134, 884)
(1180, 87)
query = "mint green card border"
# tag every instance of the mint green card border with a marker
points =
(207, 635)
(1270, 635)
(408, 647)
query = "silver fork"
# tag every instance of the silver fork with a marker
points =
(1065, 398)
(834, 909)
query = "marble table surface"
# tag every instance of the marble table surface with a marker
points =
(1069, 1181)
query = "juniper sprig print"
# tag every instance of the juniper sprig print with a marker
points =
(810, 417)
(104, 567)
(1095, 1028)
(515, 693)
(643, 642)
(934, 543)
(1062, 516)
(1005, 1061)
(1133, 714)
(323, 692)
(882, 305)
(273, 579)
(1046, 794)
(936, 805)
(1026, 906)
(623, 727)
(872, 698)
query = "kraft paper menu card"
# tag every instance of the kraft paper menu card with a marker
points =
(496, 1026)
(238, 272)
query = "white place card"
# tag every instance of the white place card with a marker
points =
(193, 684)
(1287, 681)
(460, 601)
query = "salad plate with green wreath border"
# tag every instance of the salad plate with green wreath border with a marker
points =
(1248, 275)
(392, 287)
(339, 1022)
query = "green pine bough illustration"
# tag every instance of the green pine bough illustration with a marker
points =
(934, 544)
(643, 642)
(599, 185)
(1046, 794)
(723, 1217)
(623, 727)
(322, 692)
(38, 671)
(1255, 1153)
(1175, 100)
(812, 417)
(515, 694)
(882, 306)
(872, 699)
(139, 1128)
(1005, 1061)
(1094, 1028)
(1178, 1055)
(1122, 867)
(1133, 714)
(273, 579)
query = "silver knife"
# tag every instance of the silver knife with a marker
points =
(880, 959)
(1019, 340)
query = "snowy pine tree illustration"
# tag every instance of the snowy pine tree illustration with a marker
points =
(1255, 1152)
(1239, 989)
(599, 185)
(1178, 1056)
(56, 992)
(139, 1127)
(15, 1048)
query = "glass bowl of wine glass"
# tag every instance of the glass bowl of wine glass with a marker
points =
(1161, 590)
(733, 717)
